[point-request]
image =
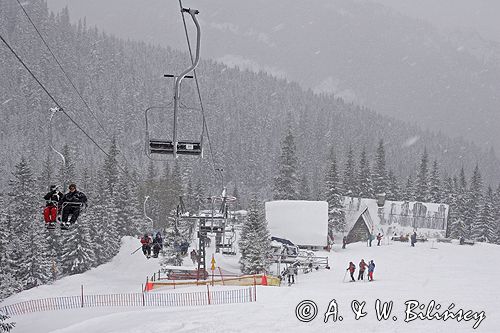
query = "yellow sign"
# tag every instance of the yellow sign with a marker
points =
(213, 263)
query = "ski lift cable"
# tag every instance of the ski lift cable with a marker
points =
(68, 78)
(60, 107)
(61, 67)
(205, 126)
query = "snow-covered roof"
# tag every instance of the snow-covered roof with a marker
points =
(302, 222)
(352, 218)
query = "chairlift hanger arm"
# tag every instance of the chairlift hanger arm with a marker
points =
(179, 78)
(54, 110)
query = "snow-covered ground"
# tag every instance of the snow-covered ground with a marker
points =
(448, 273)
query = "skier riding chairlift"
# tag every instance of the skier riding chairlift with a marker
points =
(70, 205)
(50, 211)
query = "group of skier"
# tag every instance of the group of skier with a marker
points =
(148, 243)
(362, 268)
(59, 206)
(289, 273)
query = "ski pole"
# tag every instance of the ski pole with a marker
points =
(344, 276)
(136, 250)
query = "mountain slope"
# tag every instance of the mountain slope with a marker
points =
(446, 273)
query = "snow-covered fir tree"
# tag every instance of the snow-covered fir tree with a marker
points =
(172, 240)
(190, 200)
(78, 254)
(497, 214)
(454, 229)
(474, 202)
(5, 324)
(108, 194)
(393, 191)
(435, 184)
(484, 228)
(379, 172)
(461, 189)
(39, 264)
(200, 196)
(10, 284)
(129, 218)
(110, 169)
(365, 186)
(408, 193)
(255, 241)
(304, 189)
(22, 210)
(286, 182)
(349, 183)
(422, 190)
(336, 215)
(237, 204)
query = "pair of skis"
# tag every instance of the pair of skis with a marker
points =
(53, 225)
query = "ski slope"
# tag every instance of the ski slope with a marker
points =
(447, 273)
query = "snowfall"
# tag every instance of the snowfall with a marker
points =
(466, 276)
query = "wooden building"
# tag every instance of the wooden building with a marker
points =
(362, 228)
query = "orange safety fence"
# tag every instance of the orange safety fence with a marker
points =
(220, 280)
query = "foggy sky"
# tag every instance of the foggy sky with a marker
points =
(482, 16)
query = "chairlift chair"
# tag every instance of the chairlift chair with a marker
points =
(175, 146)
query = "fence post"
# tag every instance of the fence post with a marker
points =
(254, 293)
(82, 295)
(208, 293)
(143, 299)
(221, 277)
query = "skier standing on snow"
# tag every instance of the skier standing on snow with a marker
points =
(344, 242)
(351, 269)
(194, 256)
(413, 238)
(146, 245)
(52, 197)
(362, 267)
(371, 268)
(289, 271)
(379, 238)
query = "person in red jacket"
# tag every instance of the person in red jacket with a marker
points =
(50, 211)
(146, 245)
(352, 269)
(362, 267)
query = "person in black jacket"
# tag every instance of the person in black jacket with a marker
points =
(52, 199)
(157, 244)
(70, 204)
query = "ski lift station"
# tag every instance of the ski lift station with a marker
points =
(305, 223)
